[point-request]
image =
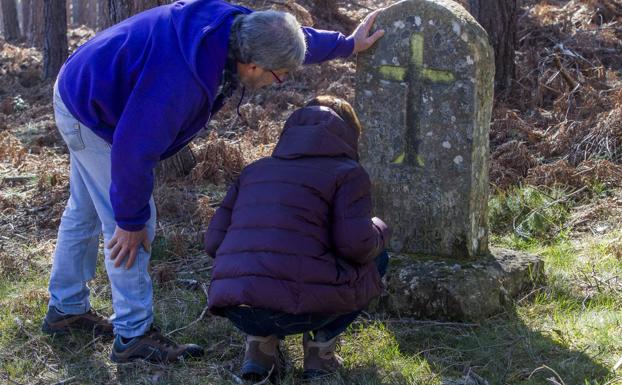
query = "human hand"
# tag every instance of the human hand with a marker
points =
(383, 230)
(125, 244)
(362, 40)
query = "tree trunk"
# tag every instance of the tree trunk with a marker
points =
(143, 5)
(102, 14)
(84, 12)
(119, 10)
(55, 42)
(113, 11)
(68, 12)
(26, 17)
(177, 165)
(77, 12)
(36, 23)
(91, 13)
(498, 17)
(10, 22)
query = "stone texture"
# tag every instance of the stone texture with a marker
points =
(424, 96)
(458, 290)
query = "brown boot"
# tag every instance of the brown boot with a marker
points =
(262, 357)
(153, 347)
(57, 323)
(320, 357)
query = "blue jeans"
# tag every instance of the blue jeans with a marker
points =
(265, 322)
(88, 214)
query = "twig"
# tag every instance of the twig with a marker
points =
(237, 379)
(517, 229)
(65, 381)
(543, 367)
(618, 365)
(433, 323)
(479, 380)
(89, 344)
(204, 288)
(265, 380)
(38, 208)
(529, 294)
(11, 380)
(543, 85)
(571, 82)
(17, 178)
(45, 363)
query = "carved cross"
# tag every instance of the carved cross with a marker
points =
(416, 73)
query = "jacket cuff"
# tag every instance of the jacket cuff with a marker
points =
(348, 47)
(130, 226)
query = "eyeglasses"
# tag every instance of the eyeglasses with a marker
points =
(278, 80)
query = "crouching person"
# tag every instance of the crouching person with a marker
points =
(295, 247)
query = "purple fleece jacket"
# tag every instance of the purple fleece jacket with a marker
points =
(295, 233)
(138, 85)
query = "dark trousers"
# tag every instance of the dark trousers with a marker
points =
(265, 322)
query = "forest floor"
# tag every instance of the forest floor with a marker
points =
(556, 177)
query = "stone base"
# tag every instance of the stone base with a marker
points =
(443, 289)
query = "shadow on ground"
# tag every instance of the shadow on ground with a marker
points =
(501, 350)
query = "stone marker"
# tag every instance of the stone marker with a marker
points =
(424, 95)
(450, 290)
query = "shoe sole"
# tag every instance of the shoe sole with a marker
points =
(254, 372)
(316, 374)
(47, 329)
(122, 360)
(119, 360)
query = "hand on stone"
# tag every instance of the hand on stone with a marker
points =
(125, 244)
(362, 40)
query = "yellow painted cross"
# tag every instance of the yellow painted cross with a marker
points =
(415, 73)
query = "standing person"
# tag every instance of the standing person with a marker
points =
(296, 249)
(133, 95)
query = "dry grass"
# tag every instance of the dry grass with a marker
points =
(567, 96)
(218, 160)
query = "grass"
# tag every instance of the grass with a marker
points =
(568, 331)
(530, 213)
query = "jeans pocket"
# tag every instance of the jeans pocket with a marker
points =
(70, 130)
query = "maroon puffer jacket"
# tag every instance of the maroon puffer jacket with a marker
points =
(295, 232)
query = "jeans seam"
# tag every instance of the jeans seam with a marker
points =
(139, 271)
(83, 257)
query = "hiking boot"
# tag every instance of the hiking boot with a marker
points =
(262, 358)
(153, 347)
(320, 357)
(57, 323)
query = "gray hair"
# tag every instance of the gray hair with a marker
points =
(271, 39)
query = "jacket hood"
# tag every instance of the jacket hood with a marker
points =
(317, 131)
